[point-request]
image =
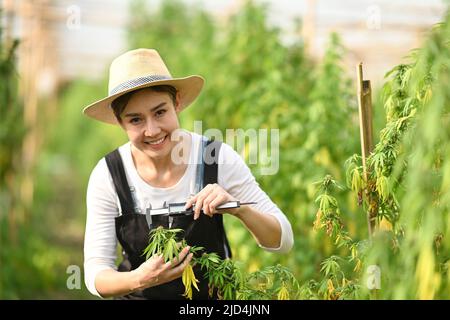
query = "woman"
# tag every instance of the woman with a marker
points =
(156, 167)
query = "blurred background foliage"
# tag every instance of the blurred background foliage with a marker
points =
(253, 80)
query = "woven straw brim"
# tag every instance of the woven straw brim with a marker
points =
(188, 87)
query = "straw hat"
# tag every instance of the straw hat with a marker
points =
(137, 69)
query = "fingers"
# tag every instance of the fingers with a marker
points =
(207, 200)
(205, 191)
(184, 264)
(198, 200)
(150, 272)
(212, 201)
(156, 260)
(176, 270)
(176, 261)
(156, 272)
(217, 201)
(198, 205)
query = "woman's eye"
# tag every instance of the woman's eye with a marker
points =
(135, 120)
(159, 113)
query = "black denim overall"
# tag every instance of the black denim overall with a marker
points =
(132, 229)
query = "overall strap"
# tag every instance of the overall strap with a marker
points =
(210, 175)
(211, 159)
(115, 166)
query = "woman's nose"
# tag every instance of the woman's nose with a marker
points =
(152, 129)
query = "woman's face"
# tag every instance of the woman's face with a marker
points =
(149, 119)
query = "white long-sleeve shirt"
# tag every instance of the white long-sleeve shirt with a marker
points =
(103, 206)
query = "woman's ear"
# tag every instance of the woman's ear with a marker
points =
(178, 102)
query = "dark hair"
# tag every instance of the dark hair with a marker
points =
(119, 104)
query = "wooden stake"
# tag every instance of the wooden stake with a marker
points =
(365, 126)
(309, 27)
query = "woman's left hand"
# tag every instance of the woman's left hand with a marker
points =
(208, 199)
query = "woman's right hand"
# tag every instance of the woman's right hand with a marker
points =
(154, 271)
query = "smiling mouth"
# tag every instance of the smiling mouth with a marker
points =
(156, 142)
